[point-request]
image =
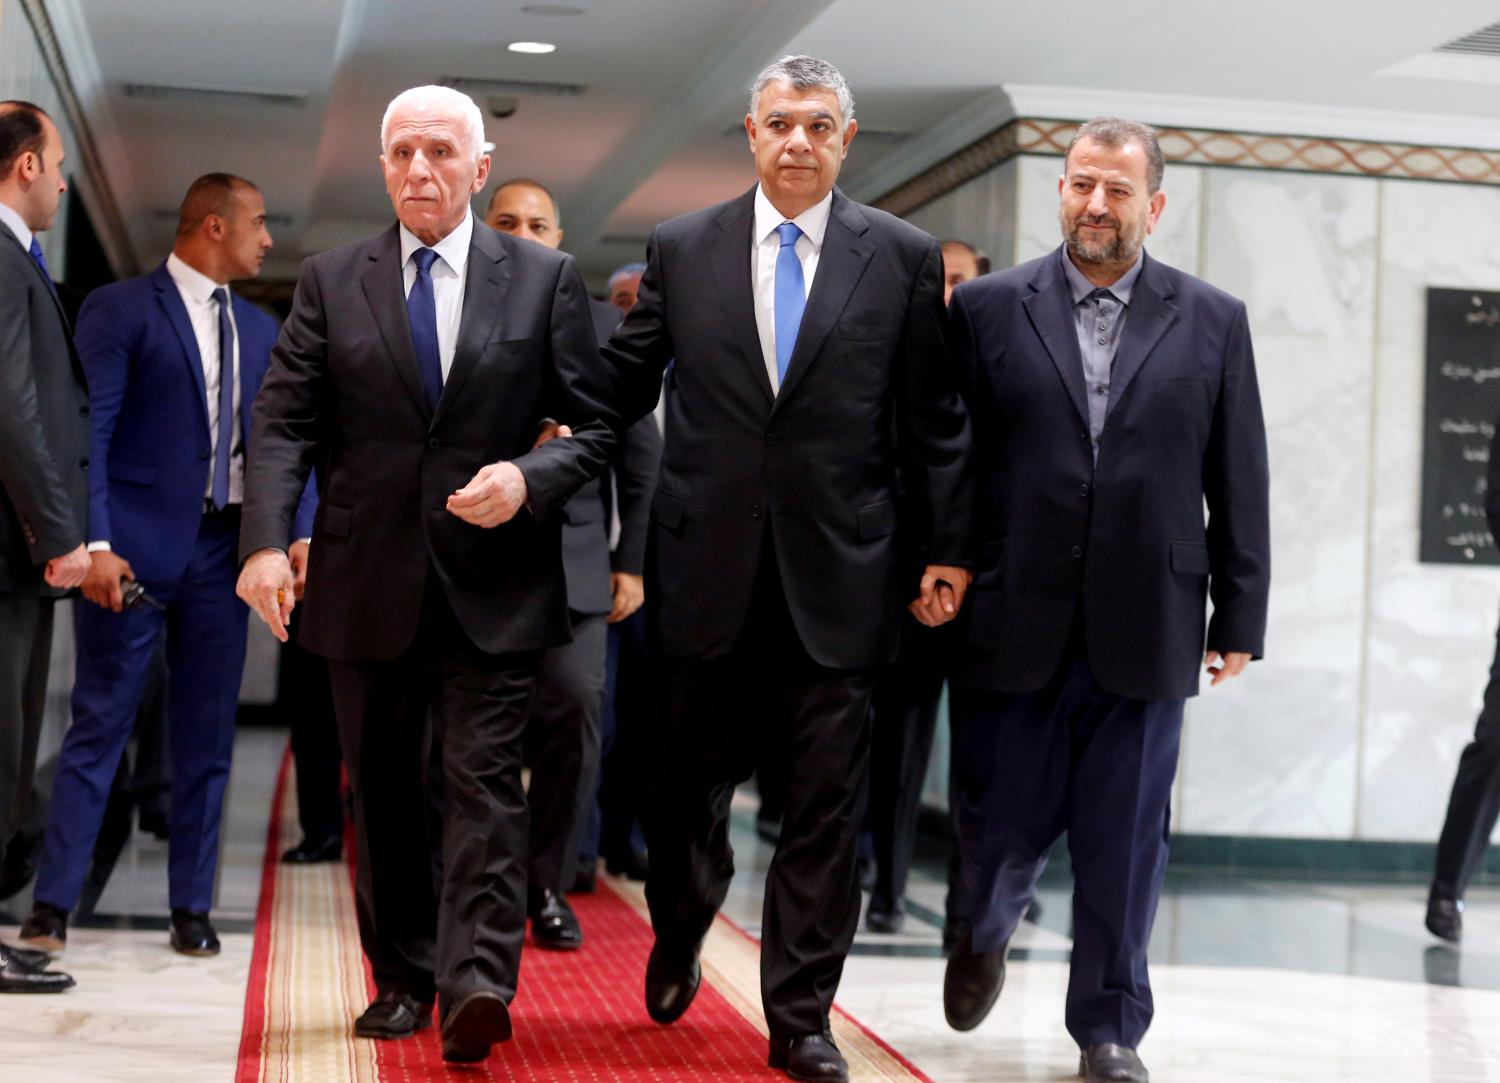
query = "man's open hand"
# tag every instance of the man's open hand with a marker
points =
(492, 497)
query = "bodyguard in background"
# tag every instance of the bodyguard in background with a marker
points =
(604, 588)
(1113, 396)
(44, 459)
(174, 359)
(810, 367)
(1474, 804)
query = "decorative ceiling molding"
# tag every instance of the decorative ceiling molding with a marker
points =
(98, 193)
(1244, 150)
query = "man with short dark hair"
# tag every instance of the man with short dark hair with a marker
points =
(44, 459)
(809, 370)
(174, 359)
(1113, 397)
(961, 263)
(604, 588)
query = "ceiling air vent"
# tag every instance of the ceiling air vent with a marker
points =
(479, 86)
(216, 95)
(1484, 42)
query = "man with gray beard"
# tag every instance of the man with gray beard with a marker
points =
(1112, 397)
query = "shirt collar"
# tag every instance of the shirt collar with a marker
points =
(190, 281)
(813, 222)
(452, 249)
(1082, 287)
(11, 218)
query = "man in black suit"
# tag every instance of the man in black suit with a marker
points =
(1474, 804)
(1112, 397)
(44, 458)
(414, 370)
(604, 588)
(811, 367)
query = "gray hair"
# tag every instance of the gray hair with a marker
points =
(628, 270)
(1115, 132)
(453, 102)
(805, 73)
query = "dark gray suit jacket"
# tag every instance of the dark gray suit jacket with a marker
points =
(44, 427)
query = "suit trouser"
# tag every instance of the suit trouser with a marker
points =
(1072, 758)
(905, 709)
(205, 627)
(562, 741)
(25, 652)
(464, 934)
(1474, 803)
(765, 699)
(305, 698)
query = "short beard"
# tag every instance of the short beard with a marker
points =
(1121, 251)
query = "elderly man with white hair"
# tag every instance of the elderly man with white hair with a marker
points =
(413, 372)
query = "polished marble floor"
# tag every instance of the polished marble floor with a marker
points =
(1256, 980)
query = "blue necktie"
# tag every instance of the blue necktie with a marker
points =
(225, 438)
(41, 261)
(421, 311)
(791, 297)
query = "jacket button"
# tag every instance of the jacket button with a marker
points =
(756, 511)
(433, 443)
(1083, 491)
(1077, 552)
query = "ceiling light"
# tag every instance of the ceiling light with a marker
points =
(536, 47)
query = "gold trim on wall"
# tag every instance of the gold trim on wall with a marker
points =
(1196, 146)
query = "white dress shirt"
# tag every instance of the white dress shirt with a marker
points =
(765, 245)
(447, 281)
(17, 226)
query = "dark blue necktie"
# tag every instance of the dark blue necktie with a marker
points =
(421, 311)
(225, 437)
(41, 261)
(791, 297)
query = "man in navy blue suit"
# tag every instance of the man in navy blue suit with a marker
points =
(173, 361)
(1113, 397)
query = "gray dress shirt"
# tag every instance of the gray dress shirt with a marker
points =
(1099, 318)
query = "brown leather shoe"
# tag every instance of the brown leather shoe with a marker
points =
(476, 1022)
(972, 983)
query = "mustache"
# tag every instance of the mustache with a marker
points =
(1096, 220)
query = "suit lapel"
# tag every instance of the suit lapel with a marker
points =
(730, 258)
(1050, 310)
(1151, 313)
(170, 301)
(846, 253)
(386, 294)
(249, 375)
(51, 286)
(485, 279)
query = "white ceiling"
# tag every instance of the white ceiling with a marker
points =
(652, 136)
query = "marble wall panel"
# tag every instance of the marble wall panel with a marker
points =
(1432, 626)
(982, 212)
(1275, 753)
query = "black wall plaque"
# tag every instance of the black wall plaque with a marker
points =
(1462, 405)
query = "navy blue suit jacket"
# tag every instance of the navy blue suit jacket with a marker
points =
(1124, 543)
(150, 444)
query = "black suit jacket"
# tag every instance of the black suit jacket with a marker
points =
(586, 555)
(870, 392)
(44, 427)
(343, 392)
(1126, 541)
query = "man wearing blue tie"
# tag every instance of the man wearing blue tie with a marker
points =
(173, 361)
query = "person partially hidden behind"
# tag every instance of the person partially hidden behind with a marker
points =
(1474, 804)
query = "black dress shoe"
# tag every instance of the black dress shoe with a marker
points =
(671, 983)
(36, 960)
(45, 928)
(811, 1057)
(585, 880)
(394, 1015)
(1109, 1063)
(475, 1023)
(192, 934)
(633, 865)
(972, 983)
(310, 852)
(1445, 918)
(885, 915)
(553, 923)
(18, 976)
